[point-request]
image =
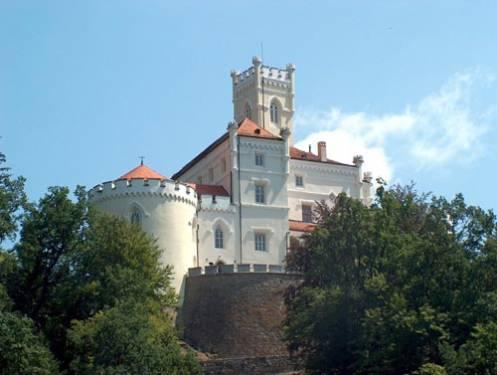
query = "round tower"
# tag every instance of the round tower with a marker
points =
(163, 208)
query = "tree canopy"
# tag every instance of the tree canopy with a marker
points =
(407, 285)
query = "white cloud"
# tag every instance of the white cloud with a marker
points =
(442, 128)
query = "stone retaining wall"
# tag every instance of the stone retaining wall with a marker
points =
(236, 315)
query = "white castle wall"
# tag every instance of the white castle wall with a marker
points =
(271, 217)
(168, 213)
(213, 214)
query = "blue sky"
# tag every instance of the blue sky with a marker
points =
(87, 87)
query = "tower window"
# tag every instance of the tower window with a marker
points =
(136, 218)
(260, 241)
(299, 181)
(274, 112)
(248, 111)
(218, 239)
(259, 194)
(307, 213)
(259, 160)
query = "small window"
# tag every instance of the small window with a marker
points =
(260, 242)
(136, 218)
(306, 213)
(211, 174)
(259, 194)
(219, 239)
(248, 111)
(223, 165)
(259, 160)
(199, 180)
(299, 181)
(274, 113)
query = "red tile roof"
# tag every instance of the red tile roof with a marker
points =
(300, 226)
(248, 128)
(142, 171)
(210, 189)
(298, 154)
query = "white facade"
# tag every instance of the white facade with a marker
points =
(239, 200)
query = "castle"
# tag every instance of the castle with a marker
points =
(240, 200)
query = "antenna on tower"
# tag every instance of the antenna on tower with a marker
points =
(262, 51)
(141, 159)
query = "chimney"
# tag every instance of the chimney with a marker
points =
(322, 151)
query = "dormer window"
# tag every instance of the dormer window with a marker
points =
(274, 111)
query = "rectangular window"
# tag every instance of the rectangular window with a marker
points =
(259, 194)
(260, 242)
(218, 239)
(211, 174)
(199, 180)
(307, 213)
(223, 165)
(299, 181)
(259, 160)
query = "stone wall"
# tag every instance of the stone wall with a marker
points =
(235, 315)
(250, 365)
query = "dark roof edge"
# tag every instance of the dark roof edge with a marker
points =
(329, 161)
(197, 158)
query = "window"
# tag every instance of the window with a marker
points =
(259, 194)
(218, 239)
(199, 180)
(211, 174)
(274, 112)
(259, 160)
(260, 242)
(299, 181)
(136, 217)
(307, 213)
(223, 165)
(248, 111)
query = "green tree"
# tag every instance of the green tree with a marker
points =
(385, 287)
(12, 200)
(74, 263)
(22, 350)
(128, 339)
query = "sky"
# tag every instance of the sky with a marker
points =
(87, 87)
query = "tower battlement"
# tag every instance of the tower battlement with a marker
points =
(142, 187)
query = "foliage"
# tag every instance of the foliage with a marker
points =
(79, 276)
(12, 199)
(128, 339)
(22, 350)
(388, 288)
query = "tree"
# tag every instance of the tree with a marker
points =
(12, 199)
(128, 339)
(74, 263)
(22, 350)
(386, 287)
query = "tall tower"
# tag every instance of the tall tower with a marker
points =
(265, 95)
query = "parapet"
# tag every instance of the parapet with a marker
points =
(270, 74)
(237, 268)
(170, 189)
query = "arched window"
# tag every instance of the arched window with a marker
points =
(218, 239)
(248, 111)
(136, 217)
(274, 111)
